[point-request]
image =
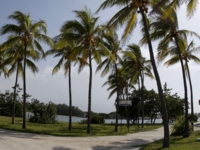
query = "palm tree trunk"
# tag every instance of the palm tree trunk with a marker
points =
(186, 130)
(89, 94)
(139, 104)
(117, 100)
(24, 89)
(70, 100)
(191, 98)
(142, 98)
(159, 86)
(14, 97)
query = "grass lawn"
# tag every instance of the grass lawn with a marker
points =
(177, 143)
(61, 128)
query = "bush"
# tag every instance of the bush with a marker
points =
(195, 119)
(43, 113)
(178, 127)
(6, 104)
(95, 119)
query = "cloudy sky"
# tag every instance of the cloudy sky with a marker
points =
(46, 87)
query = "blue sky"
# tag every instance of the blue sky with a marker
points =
(46, 87)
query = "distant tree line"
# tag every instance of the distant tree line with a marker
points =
(63, 109)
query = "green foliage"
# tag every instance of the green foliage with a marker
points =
(6, 104)
(43, 113)
(178, 127)
(175, 105)
(95, 119)
(195, 118)
(151, 105)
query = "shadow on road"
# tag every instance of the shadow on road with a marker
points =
(62, 148)
(125, 144)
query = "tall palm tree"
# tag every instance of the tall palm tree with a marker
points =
(128, 16)
(187, 51)
(111, 42)
(138, 67)
(166, 29)
(64, 48)
(14, 54)
(85, 32)
(29, 33)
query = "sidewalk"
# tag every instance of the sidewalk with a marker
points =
(12, 140)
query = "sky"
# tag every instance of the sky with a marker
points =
(47, 87)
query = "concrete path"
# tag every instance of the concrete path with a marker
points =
(12, 140)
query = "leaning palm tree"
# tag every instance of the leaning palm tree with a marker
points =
(166, 29)
(128, 16)
(138, 67)
(111, 42)
(64, 49)
(29, 33)
(85, 32)
(187, 51)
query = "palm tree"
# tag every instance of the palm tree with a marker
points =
(191, 5)
(64, 49)
(187, 56)
(128, 16)
(187, 51)
(85, 32)
(166, 29)
(29, 33)
(14, 54)
(117, 83)
(138, 67)
(111, 42)
(3, 68)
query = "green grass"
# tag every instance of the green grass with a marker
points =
(78, 130)
(177, 143)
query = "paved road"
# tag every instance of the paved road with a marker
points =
(12, 140)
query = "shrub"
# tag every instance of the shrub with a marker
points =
(195, 119)
(95, 119)
(43, 113)
(178, 127)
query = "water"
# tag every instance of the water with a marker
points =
(61, 118)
